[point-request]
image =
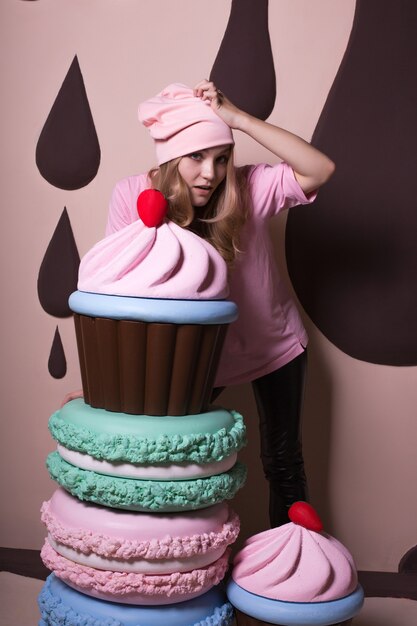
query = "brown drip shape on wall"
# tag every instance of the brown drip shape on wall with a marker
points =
(58, 274)
(244, 66)
(352, 255)
(57, 363)
(68, 151)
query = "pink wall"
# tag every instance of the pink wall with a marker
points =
(360, 427)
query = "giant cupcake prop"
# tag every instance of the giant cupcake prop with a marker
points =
(295, 575)
(150, 316)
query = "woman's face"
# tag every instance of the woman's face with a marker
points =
(203, 171)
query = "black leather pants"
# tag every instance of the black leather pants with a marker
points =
(279, 398)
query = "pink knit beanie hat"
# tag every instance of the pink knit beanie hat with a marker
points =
(181, 123)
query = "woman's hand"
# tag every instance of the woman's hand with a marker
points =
(72, 396)
(226, 110)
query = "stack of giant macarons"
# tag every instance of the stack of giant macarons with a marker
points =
(140, 528)
(136, 558)
(295, 575)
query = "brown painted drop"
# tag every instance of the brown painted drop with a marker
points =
(68, 151)
(58, 273)
(244, 66)
(352, 255)
(57, 363)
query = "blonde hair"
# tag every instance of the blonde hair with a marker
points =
(223, 216)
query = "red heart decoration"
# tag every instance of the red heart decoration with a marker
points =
(303, 514)
(152, 207)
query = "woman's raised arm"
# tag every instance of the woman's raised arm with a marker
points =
(311, 167)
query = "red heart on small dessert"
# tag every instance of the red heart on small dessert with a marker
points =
(303, 514)
(152, 207)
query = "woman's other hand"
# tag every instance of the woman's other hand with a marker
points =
(72, 395)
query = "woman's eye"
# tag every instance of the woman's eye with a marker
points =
(222, 160)
(196, 156)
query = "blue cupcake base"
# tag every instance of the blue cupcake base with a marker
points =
(295, 613)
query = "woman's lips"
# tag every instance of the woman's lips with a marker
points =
(203, 189)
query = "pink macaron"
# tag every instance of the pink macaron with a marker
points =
(137, 558)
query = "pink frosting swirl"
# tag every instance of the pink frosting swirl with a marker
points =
(293, 564)
(154, 262)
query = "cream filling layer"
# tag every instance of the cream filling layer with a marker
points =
(174, 471)
(138, 566)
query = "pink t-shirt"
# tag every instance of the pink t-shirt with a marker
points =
(269, 332)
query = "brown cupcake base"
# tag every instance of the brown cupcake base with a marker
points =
(246, 620)
(147, 368)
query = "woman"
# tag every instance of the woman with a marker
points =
(230, 207)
